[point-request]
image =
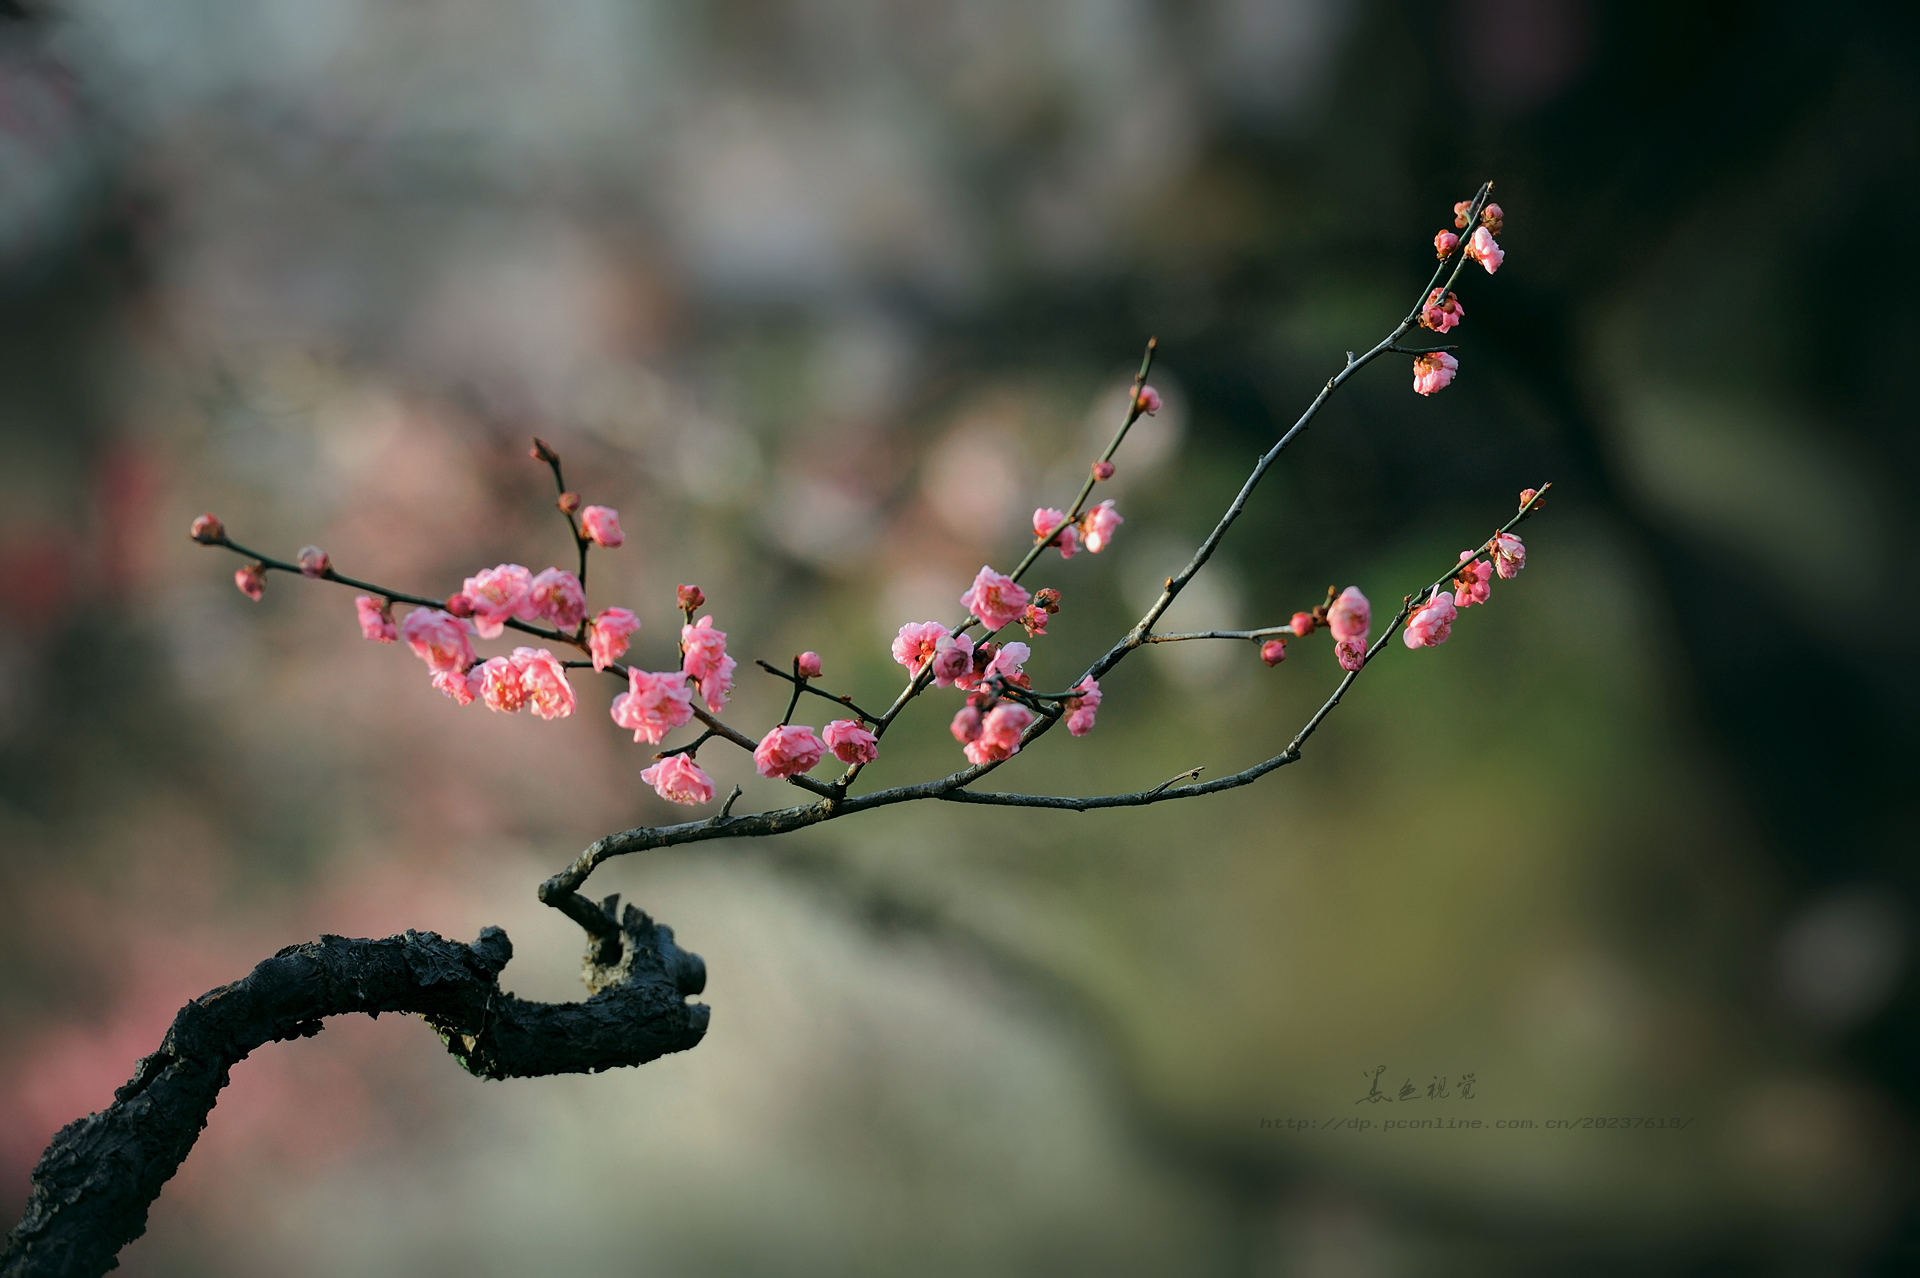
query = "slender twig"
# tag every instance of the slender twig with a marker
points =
(846, 702)
(543, 452)
(1267, 632)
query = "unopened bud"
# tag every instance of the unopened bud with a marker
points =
(1493, 219)
(1444, 244)
(1048, 598)
(1302, 624)
(1148, 401)
(1273, 651)
(252, 580)
(207, 530)
(459, 605)
(1528, 494)
(690, 597)
(543, 451)
(1460, 211)
(983, 655)
(1103, 470)
(569, 502)
(808, 664)
(314, 562)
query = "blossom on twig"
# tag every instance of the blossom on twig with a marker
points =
(1475, 582)
(376, 618)
(997, 599)
(608, 636)
(999, 734)
(788, 750)
(1432, 623)
(653, 704)
(439, 639)
(1509, 556)
(555, 595)
(850, 742)
(678, 779)
(1101, 522)
(1434, 371)
(1482, 249)
(1082, 709)
(602, 525)
(498, 595)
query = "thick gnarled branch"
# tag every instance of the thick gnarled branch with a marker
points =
(94, 1184)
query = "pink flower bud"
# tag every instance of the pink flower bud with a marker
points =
(1047, 599)
(1050, 527)
(1034, 620)
(1482, 249)
(1302, 624)
(1444, 244)
(966, 724)
(1474, 583)
(569, 503)
(543, 683)
(459, 605)
(1149, 401)
(376, 618)
(997, 599)
(556, 595)
(952, 658)
(690, 597)
(1509, 556)
(498, 595)
(608, 636)
(207, 530)
(653, 705)
(252, 581)
(543, 451)
(1432, 623)
(1103, 470)
(602, 524)
(1460, 212)
(1350, 617)
(1528, 494)
(1101, 522)
(808, 665)
(438, 639)
(788, 750)
(314, 562)
(1081, 709)
(678, 779)
(706, 662)
(851, 743)
(1434, 371)
(1000, 734)
(1273, 651)
(1350, 653)
(1441, 314)
(1493, 219)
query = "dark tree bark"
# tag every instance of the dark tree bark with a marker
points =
(92, 1187)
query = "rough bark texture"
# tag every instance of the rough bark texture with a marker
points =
(92, 1187)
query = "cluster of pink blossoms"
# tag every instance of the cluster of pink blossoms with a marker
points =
(1435, 370)
(1094, 529)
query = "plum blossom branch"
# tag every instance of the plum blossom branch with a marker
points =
(844, 701)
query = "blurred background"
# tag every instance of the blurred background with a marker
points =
(825, 296)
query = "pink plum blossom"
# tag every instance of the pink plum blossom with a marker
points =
(1101, 522)
(918, 642)
(498, 595)
(1102, 470)
(1273, 651)
(1351, 616)
(788, 750)
(252, 581)
(1430, 626)
(1149, 400)
(1493, 218)
(555, 595)
(995, 598)
(603, 527)
(689, 597)
(999, 734)
(459, 605)
(1509, 556)
(314, 562)
(1460, 212)
(607, 637)
(1474, 583)
(461, 686)
(808, 664)
(1350, 653)
(376, 618)
(438, 638)
(1434, 371)
(653, 705)
(966, 724)
(1007, 661)
(1441, 313)
(707, 663)
(1482, 249)
(952, 658)
(1082, 709)
(1051, 526)
(544, 681)
(1034, 620)
(678, 779)
(851, 743)
(500, 685)
(1445, 243)
(1301, 624)
(208, 530)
